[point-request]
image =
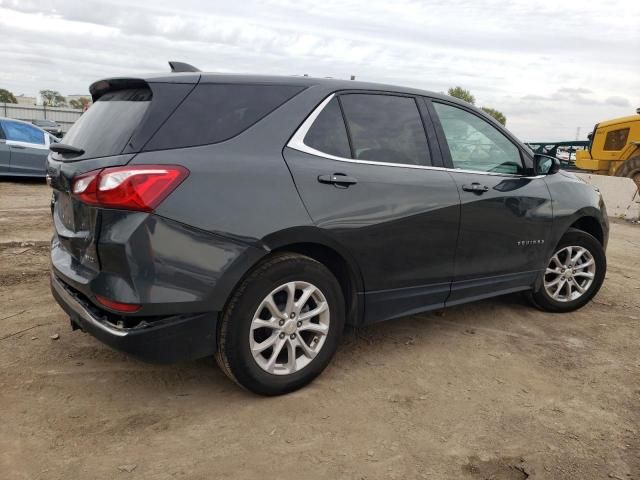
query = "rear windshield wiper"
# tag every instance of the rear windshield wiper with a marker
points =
(64, 148)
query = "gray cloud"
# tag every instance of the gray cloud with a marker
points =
(618, 101)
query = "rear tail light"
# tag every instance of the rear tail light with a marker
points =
(118, 306)
(140, 187)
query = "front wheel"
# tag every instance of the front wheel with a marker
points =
(282, 325)
(574, 273)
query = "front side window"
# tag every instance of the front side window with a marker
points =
(475, 144)
(328, 133)
(385, 128)
(616, 139)
(21, 132)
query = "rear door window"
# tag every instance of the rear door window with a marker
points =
(213, 113)
(107, 126)
(21, 132)
(328, 133)
(385, 128)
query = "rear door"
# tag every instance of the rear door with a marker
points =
(367, 178)
(506, 212)
(29, 148)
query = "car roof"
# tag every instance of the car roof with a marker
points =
(301, 80)
(304, 81)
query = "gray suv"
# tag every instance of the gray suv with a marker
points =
(253, 217)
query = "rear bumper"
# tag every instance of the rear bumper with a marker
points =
(171, 339)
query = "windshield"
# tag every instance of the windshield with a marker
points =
(108, 125)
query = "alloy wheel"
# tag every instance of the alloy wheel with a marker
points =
(289, 328)
(569, 274)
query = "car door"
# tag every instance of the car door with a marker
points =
(367, 178)
(505, 213)
(29, 147)
(5, 154)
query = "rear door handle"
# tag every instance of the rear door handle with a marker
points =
(338, 179)
(475, 187)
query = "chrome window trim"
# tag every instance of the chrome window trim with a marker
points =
(297, 143)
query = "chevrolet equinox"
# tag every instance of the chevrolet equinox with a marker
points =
(253, 217)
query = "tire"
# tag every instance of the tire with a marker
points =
(631, 169)
(564, 300)
(241, 326)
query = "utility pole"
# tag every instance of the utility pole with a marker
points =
(578, 133)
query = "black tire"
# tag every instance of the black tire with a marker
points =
(573, 237)
(631, 169)
(234, 354)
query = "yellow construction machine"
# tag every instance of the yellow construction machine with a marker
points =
(614, 149)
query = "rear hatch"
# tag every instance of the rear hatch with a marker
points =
(124, 116)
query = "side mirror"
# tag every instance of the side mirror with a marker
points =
(546, 165)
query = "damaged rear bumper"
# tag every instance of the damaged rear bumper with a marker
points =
(164, 340)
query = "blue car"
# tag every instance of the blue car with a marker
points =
(23, 149)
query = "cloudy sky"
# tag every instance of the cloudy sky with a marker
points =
(550, 66)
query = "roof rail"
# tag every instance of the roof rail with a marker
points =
(177, 67)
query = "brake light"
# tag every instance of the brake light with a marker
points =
(140, 187)
(118, 306)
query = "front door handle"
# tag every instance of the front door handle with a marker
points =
(338, 179)
(17, 147)
(475, 187)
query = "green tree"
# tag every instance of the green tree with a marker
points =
(499, 116)
(462, 94)
(466, 95)
(52, 98)
(7, 97)
(80, 103)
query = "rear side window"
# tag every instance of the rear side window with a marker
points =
(107, 126)
(213, 113)
(21, 132)
(616, 139)
(385, 128)
(328, 133)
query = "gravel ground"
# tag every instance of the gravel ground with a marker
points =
(491, 390)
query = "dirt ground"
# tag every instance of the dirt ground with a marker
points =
(491, 390)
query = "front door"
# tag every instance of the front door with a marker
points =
(506, 214)
(365, 178)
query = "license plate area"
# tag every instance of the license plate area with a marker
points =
(66, 211)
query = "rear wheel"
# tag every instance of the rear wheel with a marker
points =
(573, 275)
(282, 325)
(631, 169)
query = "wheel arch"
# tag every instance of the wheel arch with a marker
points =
(313, 243)
(590, 225)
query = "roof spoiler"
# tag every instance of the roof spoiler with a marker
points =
(177, 67)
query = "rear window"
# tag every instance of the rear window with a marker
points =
(213, 113)
(108, 125)
(616, 139)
